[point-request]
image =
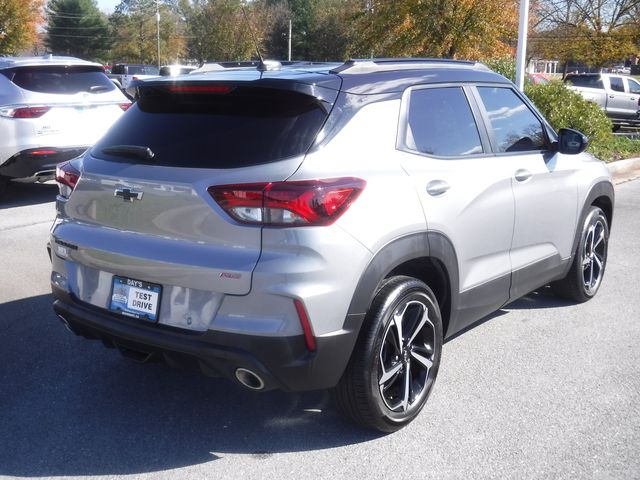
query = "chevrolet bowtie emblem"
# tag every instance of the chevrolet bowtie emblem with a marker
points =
(127, 194)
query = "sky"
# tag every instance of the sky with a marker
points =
(107, 6)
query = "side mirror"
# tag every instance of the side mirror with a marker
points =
(571, 142)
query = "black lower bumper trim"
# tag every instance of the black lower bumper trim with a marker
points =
(281, 362)
(27, 163)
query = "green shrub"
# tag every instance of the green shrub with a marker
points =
(615, 148)
(564, 108)
(505, 66)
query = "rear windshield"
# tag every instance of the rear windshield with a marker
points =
(591, 81)
(60, 79)
(247, 126)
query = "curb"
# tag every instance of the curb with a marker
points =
(624, 170)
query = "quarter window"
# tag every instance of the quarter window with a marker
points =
(440, 123)
(616, 84)
(515, 127)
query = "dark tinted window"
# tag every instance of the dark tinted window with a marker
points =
(616, 84)
(60, 79)
(247, 126)
(118, 70)
(440, 122)
(515, 127)
(591, 81)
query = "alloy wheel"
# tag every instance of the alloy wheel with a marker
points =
(594, 256)
(406, 357)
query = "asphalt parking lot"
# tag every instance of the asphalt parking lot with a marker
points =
(541, 389)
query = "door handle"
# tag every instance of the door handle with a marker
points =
(522, 175)
(612, 96)
(437, 187)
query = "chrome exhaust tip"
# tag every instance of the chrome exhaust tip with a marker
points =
(249, 379)
(65, 322)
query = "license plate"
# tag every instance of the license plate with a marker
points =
(135, 298)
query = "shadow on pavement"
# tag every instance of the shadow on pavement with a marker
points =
(23, 194)
(538, 299)
(541, 298)
(69, 406)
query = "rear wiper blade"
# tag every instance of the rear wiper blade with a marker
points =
(137, 151)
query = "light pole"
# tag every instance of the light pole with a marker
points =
(158, 30)
(289, 39)
(522, 44)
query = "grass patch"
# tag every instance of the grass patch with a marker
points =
(612, 148)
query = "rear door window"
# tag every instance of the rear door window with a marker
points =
(617, 85)
(246, 126)
(440, 123)
(60, 79)
(515, 127)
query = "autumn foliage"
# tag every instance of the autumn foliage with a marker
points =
(438, 28)
(18, 21)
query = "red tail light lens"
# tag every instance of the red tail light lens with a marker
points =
(306, 325)
(125, 106)
(67, 177)
(289, 204)
(46, 151)
(30, 112)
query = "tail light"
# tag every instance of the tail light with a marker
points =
(288, 204)
(67, 177)
(43, 151)
(125, 106)
(25, 112)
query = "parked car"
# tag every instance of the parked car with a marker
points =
(325, 226)
(538, 78)
(51, 109)
(123, 73)
(617, 95)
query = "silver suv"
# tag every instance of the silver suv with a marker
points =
(51, 110)
(324, 226)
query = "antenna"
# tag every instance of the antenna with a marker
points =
(253, 37)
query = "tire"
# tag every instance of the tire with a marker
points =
(387, 382)
(589, 260)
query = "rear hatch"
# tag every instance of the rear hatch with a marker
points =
(141, 208)
(63, 105)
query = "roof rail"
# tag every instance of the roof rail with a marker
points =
(388, 64)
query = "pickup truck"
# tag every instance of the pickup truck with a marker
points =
(123, 74)
(618, 95)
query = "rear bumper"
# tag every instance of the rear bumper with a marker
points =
(32, 164)
(281, 362)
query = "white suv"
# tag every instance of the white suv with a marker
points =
(324, 226)
(51, 109)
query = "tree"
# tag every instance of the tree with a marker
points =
(136, 32)
(218, 30)
(437, 28)
(77, 28)
(596, 32)
(321, 30)
(18, 21)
